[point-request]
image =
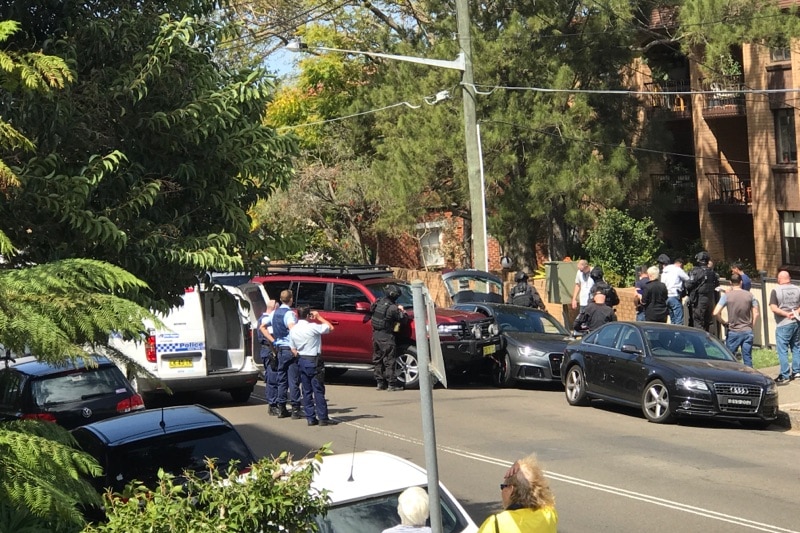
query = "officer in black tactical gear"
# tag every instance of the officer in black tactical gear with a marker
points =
(387, 317)
(523, 294)
(601, 285)
(701, 288)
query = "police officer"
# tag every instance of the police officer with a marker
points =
(283, 320)
(269, 357)
(523, 294)
(701, 288)
(387, 317)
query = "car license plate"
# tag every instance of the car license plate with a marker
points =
(489, 350)
(180, 363)
(739, 401)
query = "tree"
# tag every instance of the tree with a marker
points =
(153, 157)
(618, 243)
(551, 160)
(53, 310)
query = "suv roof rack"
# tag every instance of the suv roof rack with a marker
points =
(350, 271)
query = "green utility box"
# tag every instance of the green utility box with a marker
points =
(560, 280)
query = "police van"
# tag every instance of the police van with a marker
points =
(206, 344)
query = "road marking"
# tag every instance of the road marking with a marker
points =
(669, 504)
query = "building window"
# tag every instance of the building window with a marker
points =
(791, 237)
(785, 143)
(778, 55)
(430, 240)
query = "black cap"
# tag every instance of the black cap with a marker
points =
(663, 259)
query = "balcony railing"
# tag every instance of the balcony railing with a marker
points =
(724, 97)
(678, 190)
(729, 192)
(677, 105)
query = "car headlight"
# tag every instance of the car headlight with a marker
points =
(529, 351)
(692, 384)
(476, 331)
(494, 330)
(772, 388)
(451, 330)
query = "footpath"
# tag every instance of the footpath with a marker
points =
(788, 400)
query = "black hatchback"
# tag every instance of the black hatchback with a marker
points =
(175, 439)
(72, 394)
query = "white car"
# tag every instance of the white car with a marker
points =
(364, 487)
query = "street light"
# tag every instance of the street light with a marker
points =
(463, 64)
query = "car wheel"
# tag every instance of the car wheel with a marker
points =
(407, 367)
(242, 394)
(575, 386)
(501, 371)
(655, 402)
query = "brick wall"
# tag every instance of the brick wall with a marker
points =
(404, 250)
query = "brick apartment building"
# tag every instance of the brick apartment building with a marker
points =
(730, 177)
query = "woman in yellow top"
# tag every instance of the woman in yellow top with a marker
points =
(529, 505)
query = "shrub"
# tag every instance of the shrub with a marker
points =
(274, 496)
(619, 242)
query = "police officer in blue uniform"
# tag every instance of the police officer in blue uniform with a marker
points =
(283, 320)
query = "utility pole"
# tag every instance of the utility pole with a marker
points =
(476, 201)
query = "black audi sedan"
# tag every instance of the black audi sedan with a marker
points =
(669, 371)
(533, 343)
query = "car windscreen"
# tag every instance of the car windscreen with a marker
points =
(375, 514)
(175, 453)
(77, 386)
(511, 319)
(406, 299)
(683, 343)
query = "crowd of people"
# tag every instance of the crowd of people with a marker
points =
(664, 290)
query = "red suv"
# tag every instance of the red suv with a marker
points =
(343, 295)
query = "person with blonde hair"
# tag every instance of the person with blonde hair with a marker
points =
(528, 503)
(412, 506)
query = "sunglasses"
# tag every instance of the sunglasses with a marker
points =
(504, 485)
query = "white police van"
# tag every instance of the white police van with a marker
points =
(207, 344)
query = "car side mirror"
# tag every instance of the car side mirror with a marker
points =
(631, 348)
(362, 307)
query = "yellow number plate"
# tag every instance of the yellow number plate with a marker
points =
(489, 350)
(180, 363)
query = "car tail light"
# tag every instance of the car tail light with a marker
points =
(44, 417)
(150, 348)
(134, 403)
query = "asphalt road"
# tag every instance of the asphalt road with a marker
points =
(609, 468)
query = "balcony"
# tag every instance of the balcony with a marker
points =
(730, 193)
(678, 191)
(673, 192)
(676, 106)
(725, 98)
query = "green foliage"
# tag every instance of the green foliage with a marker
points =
(43, 477)
(618, 243)
(274, 496)
(711, 29)
(54, 310)
(153, 157)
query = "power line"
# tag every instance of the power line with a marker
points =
(337, 119)
(624, 92)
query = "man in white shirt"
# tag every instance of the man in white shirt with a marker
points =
(583, 286)
(305, 339)
(673, 276)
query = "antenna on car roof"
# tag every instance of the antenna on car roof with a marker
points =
(353, 459)
(162, 424)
